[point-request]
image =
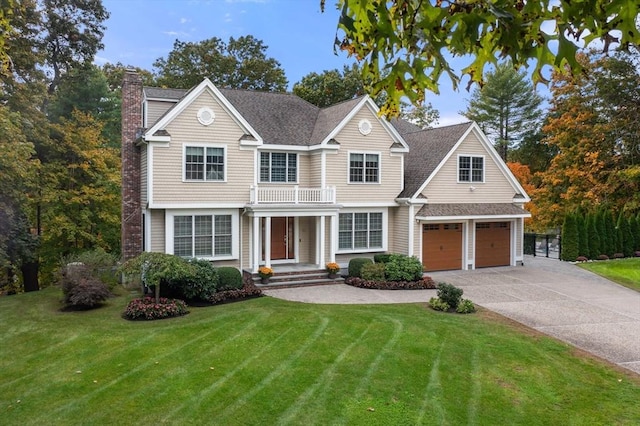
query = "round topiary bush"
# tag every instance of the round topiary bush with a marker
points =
(400, 267)
(229, 278)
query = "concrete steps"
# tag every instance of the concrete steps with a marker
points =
(298, 278)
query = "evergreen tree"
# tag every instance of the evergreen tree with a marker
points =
(635, 230)
(602, 231)
(569, 238)
(610, 227)
(583, 237)
(594, 236)
(625, 236)
(507, 107)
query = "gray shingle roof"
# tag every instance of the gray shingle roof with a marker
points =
(329, 118)
(470, 210)
(160, 93)
(427, 148)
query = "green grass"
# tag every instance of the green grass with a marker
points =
(625, 272)
(267, 361)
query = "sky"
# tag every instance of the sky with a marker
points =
(297, 34)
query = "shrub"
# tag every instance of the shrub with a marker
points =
(356, 264)
(403, 268)
(373, 272)
(147, 309)
(450, 294)
(421, 284)
(637, 254)
(603, 257)
(465, 306)
(99, 263)
(229, 278)
(248, 290)
(197, 282)
(437, 304)
(80, 288)
(581, 259)
(381, 257)
(617, 255)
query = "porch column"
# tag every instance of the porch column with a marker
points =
(321, 245)
(267, 241)
(255, 244)
(332, 238)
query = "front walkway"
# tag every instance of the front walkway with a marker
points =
(556, 298)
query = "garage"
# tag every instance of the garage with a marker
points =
(441, 246)
(493, 244)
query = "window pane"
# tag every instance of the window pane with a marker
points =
(203, 236)
(292, 168)
(278, 167)
(215, 164)
(194, 163)
(360, 239)
(356, 168)
(345, 224)
(223, 235)
(264, 167)
(375, 239)
(361, 220)
(182, 236)
(371, 167)
(478, 166)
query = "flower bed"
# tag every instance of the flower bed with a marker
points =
(146, 308)
(226, 296)
(422, 284)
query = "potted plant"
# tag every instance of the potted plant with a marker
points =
(265, 273)
(333, 269)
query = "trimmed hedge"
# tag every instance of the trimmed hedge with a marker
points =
(424, 283)
(381, 257)
(400, 267)
(373, 272)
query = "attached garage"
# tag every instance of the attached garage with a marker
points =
(493, 244)
(441, 246)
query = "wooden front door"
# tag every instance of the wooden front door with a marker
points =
(442, 246)
(282, 238)
(493, 244)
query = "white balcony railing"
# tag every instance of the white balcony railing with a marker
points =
(292, 195)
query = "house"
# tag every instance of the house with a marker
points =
(249, 178)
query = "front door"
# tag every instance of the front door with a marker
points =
(282, 238)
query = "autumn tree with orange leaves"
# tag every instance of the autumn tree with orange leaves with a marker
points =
(591, 127)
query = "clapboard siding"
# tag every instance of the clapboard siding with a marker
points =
(157, 231)
(168, 185)
(144, 196)
(337, 167)
(444, 187)
(155, 110)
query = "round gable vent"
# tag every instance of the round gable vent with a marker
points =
(365, 127)
(206, 116)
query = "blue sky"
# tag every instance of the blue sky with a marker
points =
(297, 34)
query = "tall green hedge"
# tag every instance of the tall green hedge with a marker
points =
(569, 238)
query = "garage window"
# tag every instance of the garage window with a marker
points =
(470, 168)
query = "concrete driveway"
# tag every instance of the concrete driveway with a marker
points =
(553, 297)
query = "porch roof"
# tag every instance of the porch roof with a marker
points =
(471, 211)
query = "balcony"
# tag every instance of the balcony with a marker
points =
(292, 195)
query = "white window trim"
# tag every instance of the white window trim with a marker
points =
(378, 153)
(205, 146)
(287, 169)
(385, 231)
(235, 229)
(471, 157)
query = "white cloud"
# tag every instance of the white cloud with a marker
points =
(227, 17)
(176, 33)
(184, 20)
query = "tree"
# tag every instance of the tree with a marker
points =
(591, 166)
(583, 235)
(506, 107)
(533, 152)
(330, 87)
(593, 236)
(239, 64)
(401, 44)
(570, 238)
(73, 31)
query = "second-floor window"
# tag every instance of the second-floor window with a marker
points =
(470, 169)
(278, 167)
(204, 163)
(364, 168)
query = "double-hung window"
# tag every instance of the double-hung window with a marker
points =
(360, 231)
(364, 168)
(204, 163)
(470, 168)
(207, 236)
(278, 167)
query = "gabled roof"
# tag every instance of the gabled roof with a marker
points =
(427, 150)
(277, 118)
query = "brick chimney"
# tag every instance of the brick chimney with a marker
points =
(131, 227)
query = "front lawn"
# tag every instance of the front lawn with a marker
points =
(625, 272)
(267, 361)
